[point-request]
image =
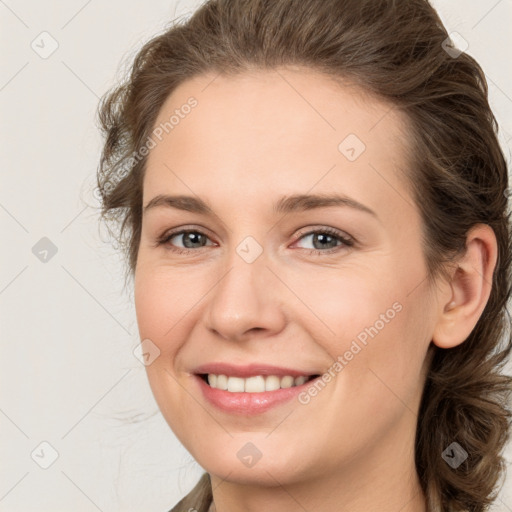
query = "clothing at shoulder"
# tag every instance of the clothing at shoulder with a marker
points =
(198, 499)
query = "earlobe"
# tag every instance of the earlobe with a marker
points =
(469, 289)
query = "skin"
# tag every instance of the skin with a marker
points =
(251, 139)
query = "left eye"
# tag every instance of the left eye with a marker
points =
(322, 240)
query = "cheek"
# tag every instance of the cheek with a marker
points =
(387, 357)
(164, 302)
(379, 328)
(346, 305)
(151, 306)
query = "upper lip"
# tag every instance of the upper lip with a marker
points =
(250, 370)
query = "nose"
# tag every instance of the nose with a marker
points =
(246, 301)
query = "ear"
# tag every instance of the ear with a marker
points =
(464, 299)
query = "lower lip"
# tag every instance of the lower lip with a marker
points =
(249, 403)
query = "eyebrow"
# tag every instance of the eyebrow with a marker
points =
(286, 204)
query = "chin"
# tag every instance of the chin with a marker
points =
(270, 470)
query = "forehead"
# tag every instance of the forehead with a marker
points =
(292, 101)
(285, 127)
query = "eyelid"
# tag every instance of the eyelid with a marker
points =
(347, 241)
(170, 233)
(324, 229)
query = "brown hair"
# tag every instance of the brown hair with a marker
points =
(396, 51)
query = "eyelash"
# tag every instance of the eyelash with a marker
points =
(345, 241)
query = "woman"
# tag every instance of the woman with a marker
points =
(313, 202)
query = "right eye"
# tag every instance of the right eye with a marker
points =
(190, 239)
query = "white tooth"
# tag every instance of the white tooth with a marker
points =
(272, 383)
(222, 382)
(236, 384)
(286, 381)
(300, 380)
(255, 384)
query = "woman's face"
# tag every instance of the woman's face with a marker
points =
(303, 258)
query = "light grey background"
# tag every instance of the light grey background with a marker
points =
(68, 376)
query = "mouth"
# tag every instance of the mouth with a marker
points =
(255, 383)
(251, 389)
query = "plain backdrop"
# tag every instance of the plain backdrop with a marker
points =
(80, 429)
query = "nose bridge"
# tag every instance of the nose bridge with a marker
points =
(244, 298)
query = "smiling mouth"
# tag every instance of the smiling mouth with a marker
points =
(255, 384)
